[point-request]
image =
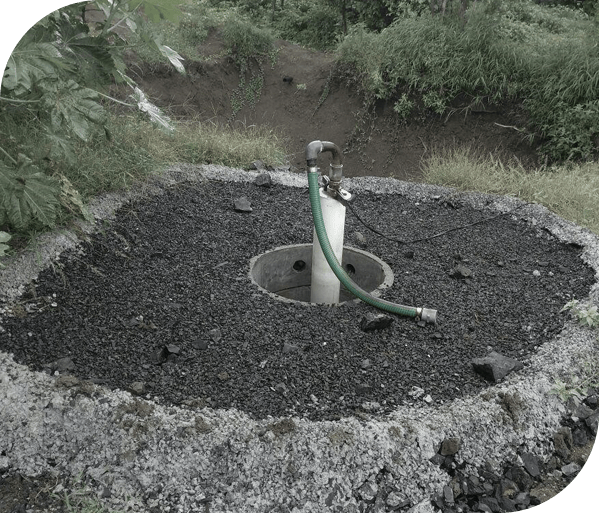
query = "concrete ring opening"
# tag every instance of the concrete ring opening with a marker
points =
(285, 272)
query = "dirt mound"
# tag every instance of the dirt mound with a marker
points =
(307, 96)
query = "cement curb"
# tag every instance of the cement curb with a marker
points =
(178, 459)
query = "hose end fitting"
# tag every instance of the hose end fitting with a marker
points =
(428, 315)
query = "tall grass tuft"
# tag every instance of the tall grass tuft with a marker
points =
(244, 39)
(137, 149)
(571, 191)
(207, 142)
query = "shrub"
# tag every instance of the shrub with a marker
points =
(244, 39)
(314, 24)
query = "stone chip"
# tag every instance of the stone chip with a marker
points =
(495, 366)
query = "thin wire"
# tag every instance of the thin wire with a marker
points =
(423, 239)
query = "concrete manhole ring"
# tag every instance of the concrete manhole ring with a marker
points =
(284, 272)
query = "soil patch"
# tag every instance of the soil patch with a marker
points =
(307, 96)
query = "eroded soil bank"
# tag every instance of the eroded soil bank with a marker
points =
(307, 96)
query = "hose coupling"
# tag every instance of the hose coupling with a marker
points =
(335, 174)
(427, 315)
(344, 197)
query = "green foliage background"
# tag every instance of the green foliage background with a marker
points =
(51, 87)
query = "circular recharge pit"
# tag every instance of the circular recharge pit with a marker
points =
(313, 465)
(285, 272)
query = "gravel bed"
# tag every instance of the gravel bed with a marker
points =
(158, 302)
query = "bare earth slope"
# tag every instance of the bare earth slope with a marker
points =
(322, 102)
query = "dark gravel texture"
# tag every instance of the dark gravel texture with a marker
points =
(161, 296)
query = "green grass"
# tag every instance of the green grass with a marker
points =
(515, 50)
(571, 191)
(138, 149)
(206, 142)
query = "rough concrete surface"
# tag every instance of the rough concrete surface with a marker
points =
(158, 458)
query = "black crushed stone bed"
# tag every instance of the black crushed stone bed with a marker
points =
(172, 271)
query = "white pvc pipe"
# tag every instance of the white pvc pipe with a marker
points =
(325, 285)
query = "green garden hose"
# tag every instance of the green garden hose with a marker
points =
(425, 314)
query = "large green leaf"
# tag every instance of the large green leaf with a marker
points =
(74, 107)
(27, 194)
(59, 147)
(172, 56)
(29, 64)
(155, 114)
(92, 56)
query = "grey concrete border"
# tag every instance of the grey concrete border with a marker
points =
(177, 459)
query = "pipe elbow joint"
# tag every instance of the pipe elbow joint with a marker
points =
(315, 148)
(312, 151)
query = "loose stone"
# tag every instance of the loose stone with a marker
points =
(215, 334)
(570, 469)
(365, 364)
(363, 389)
(263, 180)
(562, 442)
(173, 349)
(592, 422)
(450, 446)
(395, 500)
(580, 437)
(416, 392)
(61, 365)
(368, 491)
(495, 366)
(460, 272)
(531, 464)
(258, 165)
(448, 494)
(281, 388)
(371, 322)
(242, 204)
(137, 388)
(200, 344)
(289, 348)
(360, 239)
